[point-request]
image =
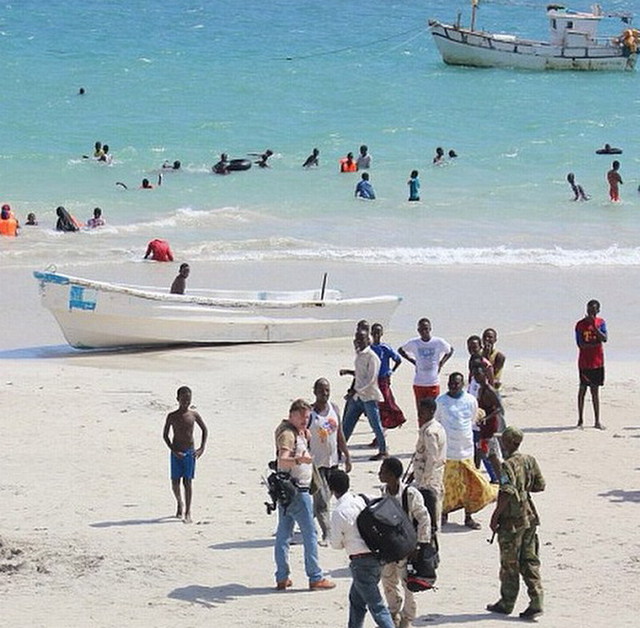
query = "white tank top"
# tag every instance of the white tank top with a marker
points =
(324, 437)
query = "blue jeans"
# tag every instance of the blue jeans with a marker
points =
(299, 511)
(365, 593)
(352, 412)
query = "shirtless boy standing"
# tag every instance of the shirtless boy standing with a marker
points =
(183, 452)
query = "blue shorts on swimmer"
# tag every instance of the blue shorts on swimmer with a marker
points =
(183, 466)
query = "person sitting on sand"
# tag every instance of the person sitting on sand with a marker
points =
(578, 191)
(183, 452)
(159, 251)
(179, 284)
(311, 160)
(97, 220)
(364, 189)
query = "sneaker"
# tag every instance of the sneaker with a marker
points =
(498, 608)
(381, 455)
(283, 585)
(322, 585)
(531, 613)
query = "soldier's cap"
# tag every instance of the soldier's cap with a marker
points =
(514, 434)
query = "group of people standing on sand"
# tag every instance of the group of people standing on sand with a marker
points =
(458, 430)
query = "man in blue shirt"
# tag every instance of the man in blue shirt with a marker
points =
(364, 189)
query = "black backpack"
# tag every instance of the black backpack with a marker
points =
(386, 529)
(422, 570)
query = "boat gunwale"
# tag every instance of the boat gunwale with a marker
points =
(169, 298)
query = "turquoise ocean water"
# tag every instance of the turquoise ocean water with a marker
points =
(189, 80)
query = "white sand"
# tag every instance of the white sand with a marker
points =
(86, 537)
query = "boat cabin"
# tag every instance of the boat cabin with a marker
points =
(572, 28)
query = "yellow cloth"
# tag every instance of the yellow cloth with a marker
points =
(465, 487)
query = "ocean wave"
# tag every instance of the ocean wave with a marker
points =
(282, 249)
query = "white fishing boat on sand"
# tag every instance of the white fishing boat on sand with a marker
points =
(98, 314)
(573, 43)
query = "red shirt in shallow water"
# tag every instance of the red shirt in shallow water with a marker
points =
(159, 251)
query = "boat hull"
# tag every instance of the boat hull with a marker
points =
(460, 46)
(95, 314)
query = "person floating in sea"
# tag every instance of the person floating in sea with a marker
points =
(65, 222)
(364, 189)
(179, 284)
(81, 91)
(222, 166)
(364, 158)
(167, 165)
(97, 220)
(614, 179)
(159, 251)
(145, 185)
(609, 150)
(347, 164)
(105, 157)
(414, 186)
(578, 191)
(439, 156)
(183, 451)
(312, 160)
(8, 223)
(264, 157)
(452, 154)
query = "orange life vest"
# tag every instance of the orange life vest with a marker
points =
(8, 226)
(347, 166)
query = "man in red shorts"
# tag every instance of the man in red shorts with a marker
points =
(428, 354)
(591, 332)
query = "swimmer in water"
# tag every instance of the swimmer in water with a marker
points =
(31, 220)
(312, 160)
(167, 165)
(439, 158)
(262, 162)
(578, 191)
(364, 189)
(222, 167)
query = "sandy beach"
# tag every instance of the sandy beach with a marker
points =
(86, 533)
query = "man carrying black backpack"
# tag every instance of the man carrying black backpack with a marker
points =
(400, 599)
(364, 565)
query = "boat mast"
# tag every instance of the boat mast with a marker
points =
(474, 8)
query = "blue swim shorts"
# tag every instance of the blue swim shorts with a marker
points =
(184, 467)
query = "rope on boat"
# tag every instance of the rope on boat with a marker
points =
(351, 47)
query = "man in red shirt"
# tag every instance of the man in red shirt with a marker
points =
(591, 332)
(159, 250)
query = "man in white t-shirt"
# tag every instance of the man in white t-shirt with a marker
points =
(428, 354)
(464, 486)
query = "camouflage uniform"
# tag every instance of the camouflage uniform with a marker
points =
(517, 532)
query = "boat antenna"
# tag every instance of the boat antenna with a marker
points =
(324, 286)
(474, 8)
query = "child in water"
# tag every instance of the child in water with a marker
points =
(578, 190)
(414, 186)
